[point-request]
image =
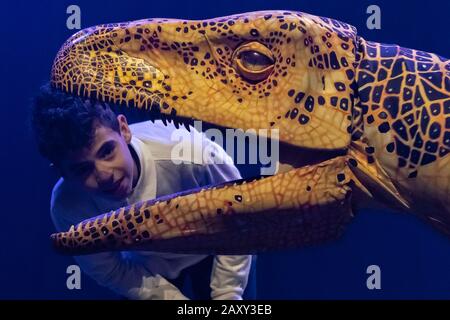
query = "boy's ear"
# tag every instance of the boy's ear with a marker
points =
(124, 128)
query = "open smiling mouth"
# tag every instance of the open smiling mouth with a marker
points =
(114, 188)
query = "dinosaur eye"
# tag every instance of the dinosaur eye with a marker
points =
(253, 61)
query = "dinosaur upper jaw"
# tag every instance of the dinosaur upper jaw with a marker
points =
(239, 71)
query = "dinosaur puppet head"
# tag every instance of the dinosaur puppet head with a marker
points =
(262, 70)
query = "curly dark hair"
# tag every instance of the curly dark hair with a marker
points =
(63, 123)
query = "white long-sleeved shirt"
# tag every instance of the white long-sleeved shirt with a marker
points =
(165, 169)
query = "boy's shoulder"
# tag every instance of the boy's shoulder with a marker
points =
(62, 190)
(68, 204)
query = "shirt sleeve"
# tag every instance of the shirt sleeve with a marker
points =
(229, 274)
(113, 270)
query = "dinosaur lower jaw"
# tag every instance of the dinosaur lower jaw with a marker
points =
(304, 206)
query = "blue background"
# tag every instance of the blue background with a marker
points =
(414, 259)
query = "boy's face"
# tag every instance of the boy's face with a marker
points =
(107, 166)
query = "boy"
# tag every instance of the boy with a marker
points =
(106, 164)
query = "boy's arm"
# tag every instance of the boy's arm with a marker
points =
(123, 275)
(229, 274)
(229, 277)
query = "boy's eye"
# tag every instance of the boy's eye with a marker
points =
(108, 150)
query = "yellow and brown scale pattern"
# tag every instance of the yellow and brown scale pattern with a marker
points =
(404, 97)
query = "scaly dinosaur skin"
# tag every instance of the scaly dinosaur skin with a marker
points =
(323, 87)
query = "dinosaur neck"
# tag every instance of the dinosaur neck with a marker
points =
(387, 95)
(400, 113)
(402, 96)
(372, 75)
(379, 85)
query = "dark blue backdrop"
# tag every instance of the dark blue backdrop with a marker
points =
(414, 259)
